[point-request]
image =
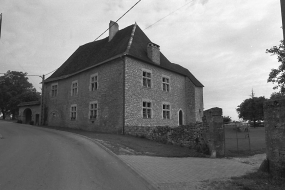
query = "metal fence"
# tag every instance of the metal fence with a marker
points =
(237, 139)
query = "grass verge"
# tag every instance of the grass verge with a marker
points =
(130, 145)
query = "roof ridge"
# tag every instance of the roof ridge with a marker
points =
(131, 39)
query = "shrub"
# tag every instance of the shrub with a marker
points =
(31, 122)
(19, 121)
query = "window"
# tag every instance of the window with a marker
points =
(165, 84)
(74, 88)
(54, 90)
(93, 110)
(146, 110)
(147, 79)
(94, 82)
(166, 111)
(73, 112)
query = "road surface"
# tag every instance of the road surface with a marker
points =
(35, 158)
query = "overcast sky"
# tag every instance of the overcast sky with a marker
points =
(222, 42)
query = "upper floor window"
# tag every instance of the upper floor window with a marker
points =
(166, 111)
(94, 82)
(93, 110)
(54, 90)
(165, 83)
(147, 109)
(147, 78)
(74, 88)
(73, 112)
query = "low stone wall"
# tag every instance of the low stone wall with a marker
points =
(274, 122)
(207, 135)
(185, 135)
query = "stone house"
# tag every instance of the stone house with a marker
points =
(121, 80)
(29, 112)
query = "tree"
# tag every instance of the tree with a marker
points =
(14, 89)
(277, 95)
(277, 76)
(227, 119)
(252, 109)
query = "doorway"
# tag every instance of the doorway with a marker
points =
(28, 115)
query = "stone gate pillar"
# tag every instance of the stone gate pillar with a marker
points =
(216, 134)
(274, 122)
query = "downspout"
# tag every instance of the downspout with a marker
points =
(124, 95)
(42, 102)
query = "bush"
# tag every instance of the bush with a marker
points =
(19, 121)
(31, 122)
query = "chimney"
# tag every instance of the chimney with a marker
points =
(153, 53)
(113, 29)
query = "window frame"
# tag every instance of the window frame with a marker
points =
(73, 113)
(73, 93)
(54, 92)
(146, 78)
(165, 83)
(147, 112)
(93, 110)
(96, 83)
(166, 111)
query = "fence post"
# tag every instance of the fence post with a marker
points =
(274, 123)
(216, 134)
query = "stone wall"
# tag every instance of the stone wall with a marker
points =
(35, 114)
(109, 97)
(136, 93)
(274, 122)
(210, 132)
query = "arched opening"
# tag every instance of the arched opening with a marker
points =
(180, 117)
(28, 115)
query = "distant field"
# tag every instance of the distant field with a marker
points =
(256, 137)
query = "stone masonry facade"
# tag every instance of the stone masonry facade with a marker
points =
(35, 114)
(274, 120)
(180, 97)
(120, 97)
(108, 96)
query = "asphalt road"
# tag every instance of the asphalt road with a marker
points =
(35, 158)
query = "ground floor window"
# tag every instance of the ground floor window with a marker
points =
(93, 110)
(147, 110)
(166, 111)
(73, 111)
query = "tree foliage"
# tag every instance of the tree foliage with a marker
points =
(277, 95)
(251, 109)
(277, 76)
(227, 119)
(14, 89)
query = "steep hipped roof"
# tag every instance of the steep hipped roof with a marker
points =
(130, 41)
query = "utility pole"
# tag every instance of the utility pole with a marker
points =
(253, 108)
(42, 101)
(282, 3)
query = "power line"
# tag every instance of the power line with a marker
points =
(118, 19)
(51, 72)
(169, 14)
